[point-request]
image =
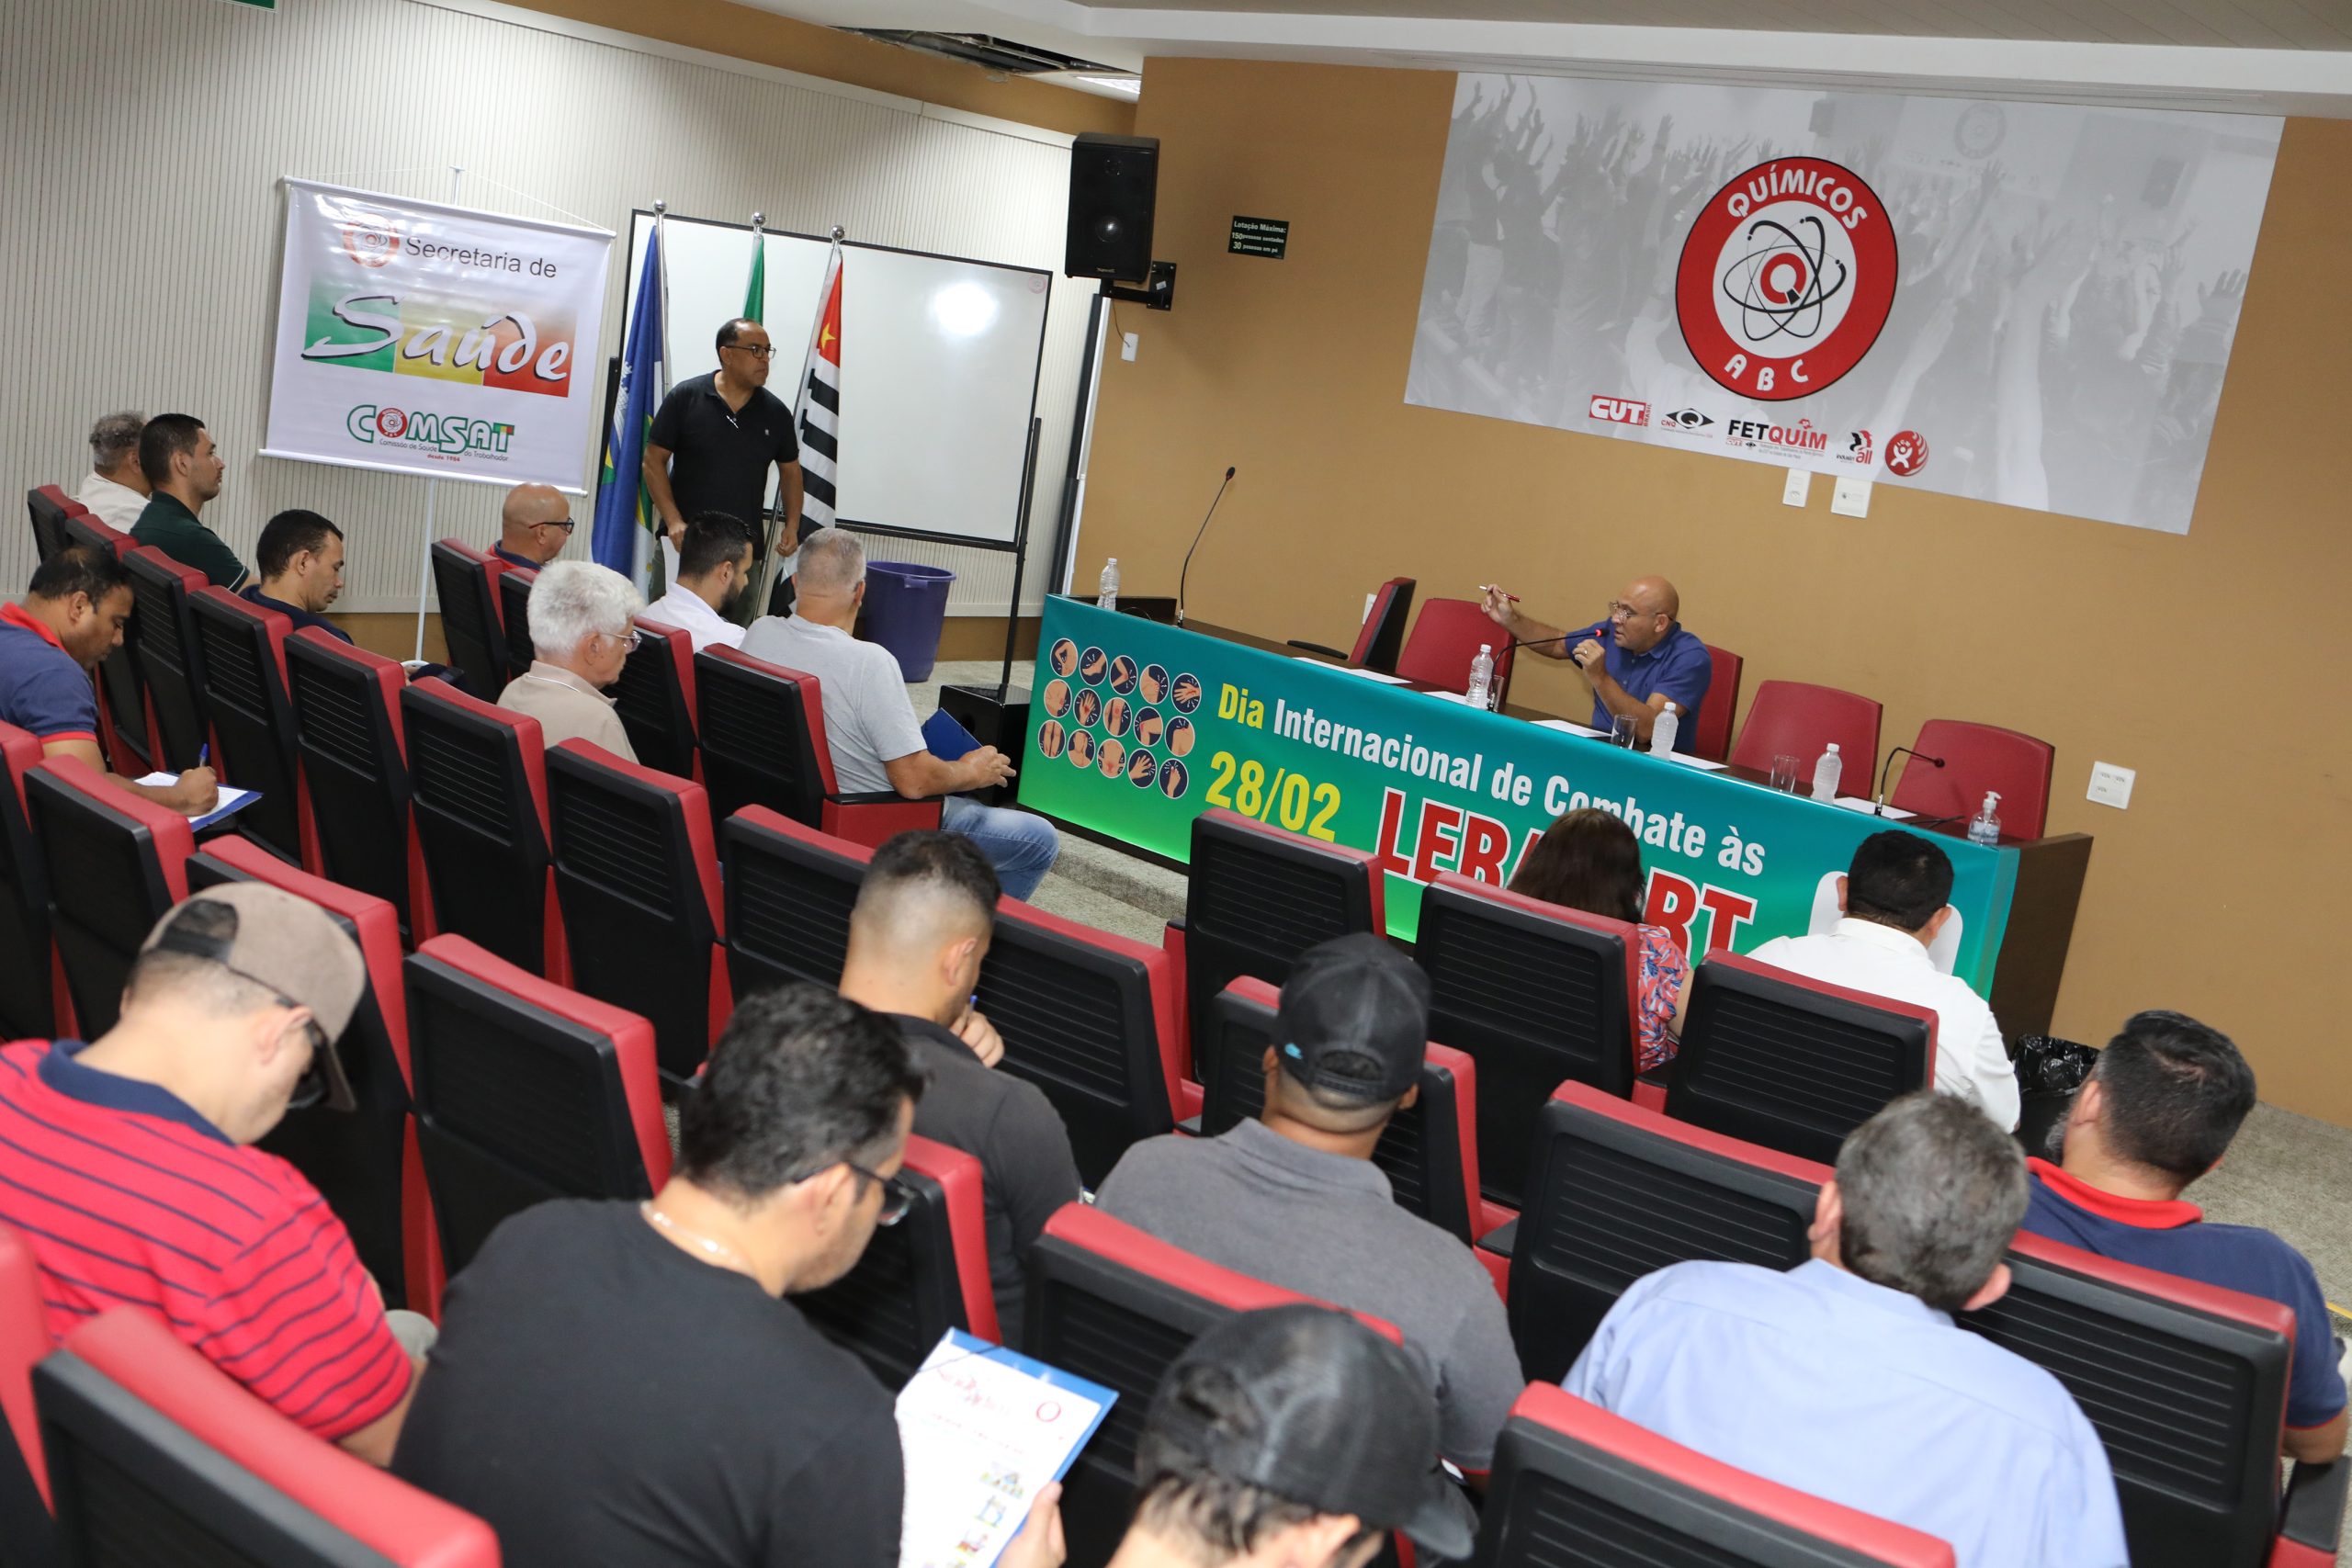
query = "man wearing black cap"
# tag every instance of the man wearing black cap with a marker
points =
(1294, 1198)
(128, 1163)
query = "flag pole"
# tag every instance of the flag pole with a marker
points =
(768, 574)
(432, 486)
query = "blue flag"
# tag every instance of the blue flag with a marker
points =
(625, 522)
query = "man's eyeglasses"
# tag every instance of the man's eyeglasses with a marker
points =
(897, 1196)
(756, 350)
(632, 640)
(566, 524)
(1621, 610)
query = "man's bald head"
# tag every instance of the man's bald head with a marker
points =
(524, 522)
(1650, 607)
(925, 912)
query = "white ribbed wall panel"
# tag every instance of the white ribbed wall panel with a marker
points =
(144, 142)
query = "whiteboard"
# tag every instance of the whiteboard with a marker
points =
(939, 359)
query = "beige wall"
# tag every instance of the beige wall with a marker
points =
(2212, 894)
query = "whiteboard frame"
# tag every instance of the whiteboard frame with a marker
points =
(1037, 373)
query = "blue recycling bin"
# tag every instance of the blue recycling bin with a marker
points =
(906, 606)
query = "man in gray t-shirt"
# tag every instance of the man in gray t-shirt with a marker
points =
(1294, 1198)
(870, 721)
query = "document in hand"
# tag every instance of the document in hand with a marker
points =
(231, 800)
(982, 1428)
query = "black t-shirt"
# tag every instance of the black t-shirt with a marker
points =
(1008, 1125)
(605, 1401)
(720, 457)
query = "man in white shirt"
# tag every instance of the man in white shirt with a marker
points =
(710, 569)
(870, 723)
(115, 491)
(1896, 899)
(581, 631)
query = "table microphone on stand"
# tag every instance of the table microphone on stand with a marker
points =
(1202, 529)
(1886, 772)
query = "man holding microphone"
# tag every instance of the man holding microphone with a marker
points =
(1637, 659)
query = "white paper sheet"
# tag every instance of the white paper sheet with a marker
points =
(1894, 813)
(1352, 670)
(1701, 763)
(1565, 728)
(231, 800)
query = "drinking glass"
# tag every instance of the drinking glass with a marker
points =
(1784, 774)
(1622, 730)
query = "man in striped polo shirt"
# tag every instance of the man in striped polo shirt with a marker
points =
(127, 1163)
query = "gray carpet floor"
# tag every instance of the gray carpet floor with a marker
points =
(2288, 1173)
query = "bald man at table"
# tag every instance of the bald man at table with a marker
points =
(1637, 659)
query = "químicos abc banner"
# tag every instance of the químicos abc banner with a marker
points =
(421, 338)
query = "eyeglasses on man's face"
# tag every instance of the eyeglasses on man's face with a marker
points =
(756, 350)
(566, 524)
(897, 1196)
(1621, 610)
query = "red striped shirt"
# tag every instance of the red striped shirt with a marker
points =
(125, 1194)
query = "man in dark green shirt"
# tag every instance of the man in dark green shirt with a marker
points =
(184, 470)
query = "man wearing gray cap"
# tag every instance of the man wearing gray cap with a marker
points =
(127, 1163)
(1294, 1198)
(1295, 1435)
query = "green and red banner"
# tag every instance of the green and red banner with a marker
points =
(1136, 727)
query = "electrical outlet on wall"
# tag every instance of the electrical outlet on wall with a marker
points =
(1798, 488)
(2111, 785)
(1127, 342)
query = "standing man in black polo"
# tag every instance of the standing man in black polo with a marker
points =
(714, 435)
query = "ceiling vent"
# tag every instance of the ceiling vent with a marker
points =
(1003, 56)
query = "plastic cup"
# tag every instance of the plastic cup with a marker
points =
(1784, 774)
(1622, 730)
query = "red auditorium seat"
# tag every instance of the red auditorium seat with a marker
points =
(524, 1091)
(478, 800)
(115, 862)
(1446, 638)
(514, 586)
(2186, 1386)
(465, 579)
(1091, 1019)
(1381, 637)
(1616, 1192)
(1109, 1303)
(1257, 897)
(655, 699)
(242, 648)
(1978, 757)
(763, 730)
(156, 1455)
(24, 1341)
(1790, 718)
(364, 1162)
(790, 889)
(637, 875)
(1711, 731)
(125, 724)
(355, 771)
(1792, 1062)
(162, 636)
(1574, 1485)
(33, 999)
(1534, 993)
(919, 1278)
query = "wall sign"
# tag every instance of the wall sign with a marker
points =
(1266, 237)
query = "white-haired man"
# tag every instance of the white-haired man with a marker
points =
(870, 722)
(114, 490)
(581, 630)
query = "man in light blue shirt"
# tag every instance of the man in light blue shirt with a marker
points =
(1846, 1377)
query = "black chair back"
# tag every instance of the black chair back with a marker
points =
(756, 746)
(27, 992)
(470, 623)
(252, 718)
(909, 1286)
(479, 783)
(1792, 1063)
(116, 863)
(347, 733)
(789, 893)
(1538, 995)
(161, 635)
(118, 679)
(1616, 1193)
(655, 699)
(47, 506)
(514, 608)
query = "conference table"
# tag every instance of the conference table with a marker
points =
(1135, 728)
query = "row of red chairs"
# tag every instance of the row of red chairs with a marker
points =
(1791, 718)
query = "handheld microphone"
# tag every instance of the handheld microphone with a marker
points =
(1204, 528)
(1888, 768)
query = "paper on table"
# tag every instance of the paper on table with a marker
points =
(1449, 697)
(231, 800)
(1687, 761)
(1852, 802)
(1354, 669)
(1565, 728)
(982, 1429)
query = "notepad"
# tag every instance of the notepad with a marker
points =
(1354, 670)
(231, 800)
(947, 740)
(1687, 761)
(1854, 802)
(982, 1428)
(1565, 728)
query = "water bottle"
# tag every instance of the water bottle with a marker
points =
(1107, 593)
(1482, 675)
(1662, 730)
(1984, 827)
(1825, 772)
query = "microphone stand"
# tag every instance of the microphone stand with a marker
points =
(1887, 770)
(1197, 532)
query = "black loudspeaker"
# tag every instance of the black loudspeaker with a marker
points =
(1114, 181)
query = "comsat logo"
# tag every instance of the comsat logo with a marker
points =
(447, 433)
